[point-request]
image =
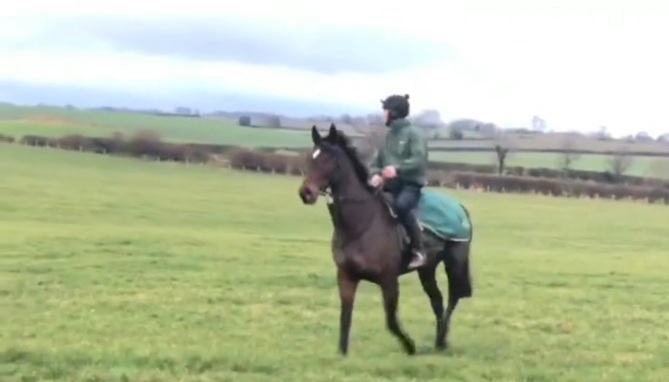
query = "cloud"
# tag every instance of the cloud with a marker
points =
(329, 50)
(579, 65)
(323, 48)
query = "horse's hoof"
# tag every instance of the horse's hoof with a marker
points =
(410, 347)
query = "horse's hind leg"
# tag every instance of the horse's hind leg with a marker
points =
(391, 292)
(456, 262)
(429, 282)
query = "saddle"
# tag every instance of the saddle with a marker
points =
(404, 238)
(438, 213)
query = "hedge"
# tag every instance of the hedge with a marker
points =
(538, 172)
(6, 138)
(145, 144)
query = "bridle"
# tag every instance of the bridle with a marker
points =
(330, 197)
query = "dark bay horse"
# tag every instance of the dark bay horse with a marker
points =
(367, 243)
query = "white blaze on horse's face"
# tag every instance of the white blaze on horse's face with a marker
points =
(316, 153)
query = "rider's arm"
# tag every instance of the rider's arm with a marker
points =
(418, 153)
(377, 162)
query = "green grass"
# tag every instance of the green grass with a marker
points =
(641, 165)
(171, 128)
(119, 270)
(20, 128)
(19, 121)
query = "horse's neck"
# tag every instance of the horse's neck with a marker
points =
(354, 207)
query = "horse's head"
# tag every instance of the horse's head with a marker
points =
(322, 166)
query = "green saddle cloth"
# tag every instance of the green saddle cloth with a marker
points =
(444, 216)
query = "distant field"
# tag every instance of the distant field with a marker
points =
(556, 142)
(642, 165)
(49, 121)
(121, 270)
(19, 128)
(55, 122)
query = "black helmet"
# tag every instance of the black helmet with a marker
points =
(398, 105)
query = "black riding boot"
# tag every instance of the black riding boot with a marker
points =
(416, 237)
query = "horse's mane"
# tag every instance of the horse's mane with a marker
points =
(344, 143)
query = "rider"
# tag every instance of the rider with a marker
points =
(400, 165)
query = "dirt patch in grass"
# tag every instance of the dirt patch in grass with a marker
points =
(51, 120)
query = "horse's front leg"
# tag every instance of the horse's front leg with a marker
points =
(347, 287)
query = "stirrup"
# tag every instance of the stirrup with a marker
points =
(418, 259)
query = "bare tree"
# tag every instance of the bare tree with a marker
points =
(502, 149)
(429, 119)
(643, 136)
(372, 137)
(346, 118)
(569, 155)
(603, 134)
(663, 138)
(456, 134)
(620, 161)
(538, 124)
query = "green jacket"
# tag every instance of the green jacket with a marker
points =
(405, 148)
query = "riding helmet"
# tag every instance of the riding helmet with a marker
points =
(398, 105)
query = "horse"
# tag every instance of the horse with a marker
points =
(369, 243)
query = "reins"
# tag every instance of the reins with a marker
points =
(329, 197)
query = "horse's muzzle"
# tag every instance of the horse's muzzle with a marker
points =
(308, 194)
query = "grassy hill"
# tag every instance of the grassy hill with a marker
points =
(18, 121)
(116, 269)
(648, 166)
(52, 121)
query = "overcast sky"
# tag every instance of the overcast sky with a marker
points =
(577, 64)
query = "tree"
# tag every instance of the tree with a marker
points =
(664, 138)
(244, 120)
(643, 136)
(538, 124)
(502, 149)
(569, 155)
(620, 161)
(502, 152)
(456, 134)
(603, 134)
(371, 139)
(346, 118)
(428, 118)
(375, 119)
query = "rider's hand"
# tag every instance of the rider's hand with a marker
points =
(376, 180)
(389, 172)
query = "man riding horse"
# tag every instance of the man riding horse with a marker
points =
(400, 166)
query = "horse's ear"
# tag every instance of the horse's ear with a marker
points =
(333, 131)
(315, 135)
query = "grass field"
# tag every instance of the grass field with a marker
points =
(119, 270)
(641, 165)
(54, 122)
(59, 121)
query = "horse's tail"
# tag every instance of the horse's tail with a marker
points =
(458, 265)
(471, 225)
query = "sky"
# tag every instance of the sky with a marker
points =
(577, 64)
